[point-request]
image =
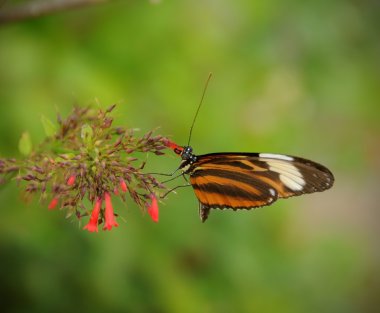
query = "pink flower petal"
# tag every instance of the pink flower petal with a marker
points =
(53, 203)
(153, 208)
(109, 215)
(71, 180)
(123, 185)
(92, 225)
(172, 145)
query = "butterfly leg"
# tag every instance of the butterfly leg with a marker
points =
(173, 178)
(184, 177)
(173, 189)
(165, 174)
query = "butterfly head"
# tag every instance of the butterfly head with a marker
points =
(188, 158)
(187, 154)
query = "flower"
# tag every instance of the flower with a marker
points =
(71, 180)
(88, 160)
(53, 203)
(123, 185)
(170, 144)
(92, 225)
(108, 215)
(153, 208)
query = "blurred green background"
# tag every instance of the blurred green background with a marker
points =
(294, 77)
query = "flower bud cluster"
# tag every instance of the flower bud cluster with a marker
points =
(86, 161)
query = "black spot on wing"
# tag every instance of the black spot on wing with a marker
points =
(234, 163)
(227, 191)
(241, 177)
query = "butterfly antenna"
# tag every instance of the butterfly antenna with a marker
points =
(199, 106)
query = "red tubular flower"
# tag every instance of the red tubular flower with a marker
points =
(172, 145)
(92, 225)
(71, 180)
(53, 203)
(123, 185)
(108, 215)
(153, 208)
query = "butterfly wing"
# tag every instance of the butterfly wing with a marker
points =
(249, 180)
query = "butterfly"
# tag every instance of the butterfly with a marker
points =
(247, 180)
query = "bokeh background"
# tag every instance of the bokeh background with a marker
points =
(294, 77)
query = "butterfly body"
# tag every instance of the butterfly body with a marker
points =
(249, 180)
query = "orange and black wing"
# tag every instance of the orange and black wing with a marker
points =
(249, 180)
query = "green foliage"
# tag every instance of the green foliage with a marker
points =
(87, 135)
(49, 127)
(25, 144)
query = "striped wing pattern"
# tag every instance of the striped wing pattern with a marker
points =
(249, 180)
